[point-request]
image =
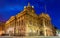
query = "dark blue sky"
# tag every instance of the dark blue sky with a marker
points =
(13, 7)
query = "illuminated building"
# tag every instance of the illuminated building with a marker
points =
(1, 28)
(27, 23)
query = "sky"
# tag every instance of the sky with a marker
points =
(10, 8)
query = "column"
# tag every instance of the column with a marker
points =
(44, 27)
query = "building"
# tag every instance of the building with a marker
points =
(27, 23)
(2, 27)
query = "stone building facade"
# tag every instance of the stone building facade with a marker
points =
(27, 23)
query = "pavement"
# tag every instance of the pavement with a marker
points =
(29, 36)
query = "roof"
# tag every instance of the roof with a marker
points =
(45, 16)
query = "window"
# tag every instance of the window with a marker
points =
(21, 22)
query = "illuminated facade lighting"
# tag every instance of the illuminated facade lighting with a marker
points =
(28, 23)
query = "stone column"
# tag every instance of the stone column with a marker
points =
(44, 27)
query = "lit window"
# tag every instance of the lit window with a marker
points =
(30, 30)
